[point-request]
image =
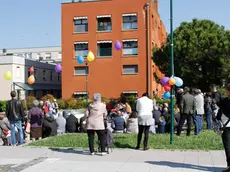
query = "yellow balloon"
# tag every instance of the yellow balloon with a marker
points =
(8, 75)
(31, 79)
(90, 56)
(172, 81)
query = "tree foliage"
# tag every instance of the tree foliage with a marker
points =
(201, 52)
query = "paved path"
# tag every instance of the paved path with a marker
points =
(14, 159)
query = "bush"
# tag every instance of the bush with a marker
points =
(162, 101)
(71, 103)
(62, 104)
(3, 105)
(29, 102)
(132, 101)
(48, 96)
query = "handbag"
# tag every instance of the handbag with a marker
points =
(28, 125)
(219, 126)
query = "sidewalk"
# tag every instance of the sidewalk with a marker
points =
(52, 160)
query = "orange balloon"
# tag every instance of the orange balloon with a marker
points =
(172, 81)
(31, 79)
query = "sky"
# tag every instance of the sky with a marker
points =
(27, 23)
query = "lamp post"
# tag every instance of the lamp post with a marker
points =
(82, 60)
(86, 84)
(172, 73)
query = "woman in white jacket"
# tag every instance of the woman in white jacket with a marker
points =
(144, 108)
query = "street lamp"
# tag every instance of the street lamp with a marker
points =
(81, 60)
(172, 73)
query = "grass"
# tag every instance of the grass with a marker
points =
(207, 140)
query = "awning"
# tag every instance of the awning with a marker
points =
(37, 87)
(80, 42)
(99, 42)
(129, 40)
(23, 86)
(130, 92)
(131, 14)
(80, 93)
(103, 16)
(77, 18)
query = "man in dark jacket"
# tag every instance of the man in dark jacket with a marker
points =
(71, 124)
(15, 114)
(224, 116)
(49, 127)
(187, 105)
(216, 95)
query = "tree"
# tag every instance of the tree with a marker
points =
(201, 52)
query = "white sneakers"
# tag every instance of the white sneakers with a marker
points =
(103, 153)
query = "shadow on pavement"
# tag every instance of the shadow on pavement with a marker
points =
(185, 166)
(70, 150)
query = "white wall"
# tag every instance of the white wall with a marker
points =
(19, 68)
(35, 53)
(6, 85)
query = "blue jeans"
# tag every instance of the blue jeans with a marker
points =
(208, 119)
(198, 124)
(18, 125)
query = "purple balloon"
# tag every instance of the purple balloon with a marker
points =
(118, 45)
(58, 68)
(165, 80)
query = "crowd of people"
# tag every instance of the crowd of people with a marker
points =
(44, 120)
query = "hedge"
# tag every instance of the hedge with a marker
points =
(73, 103)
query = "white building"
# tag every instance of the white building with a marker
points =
(47, 80)
(49, 54)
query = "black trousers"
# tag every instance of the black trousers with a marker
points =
(101, 137)
(226, 142)
(181, 123)
(143, 129)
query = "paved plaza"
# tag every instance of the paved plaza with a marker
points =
(14, 159)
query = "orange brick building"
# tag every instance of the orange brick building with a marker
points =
(95, 26)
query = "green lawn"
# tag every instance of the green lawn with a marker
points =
(207, 140)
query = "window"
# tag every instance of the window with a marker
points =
(129, 21)
(28, 73)
(80, 24)
(51, 76)
(130, 93)
(81, 49)
(80, 95)
(130, 69)
(83, 70)
(44, 75)
(104, 48)
(130, 47)
(18, 72)
(104, 23)
(48, 56)
(35, 74)
(59, 77)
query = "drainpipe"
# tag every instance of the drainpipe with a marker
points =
(148, 51)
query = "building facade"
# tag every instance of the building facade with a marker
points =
(45, 54)
(96, 26)
(46, 79)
